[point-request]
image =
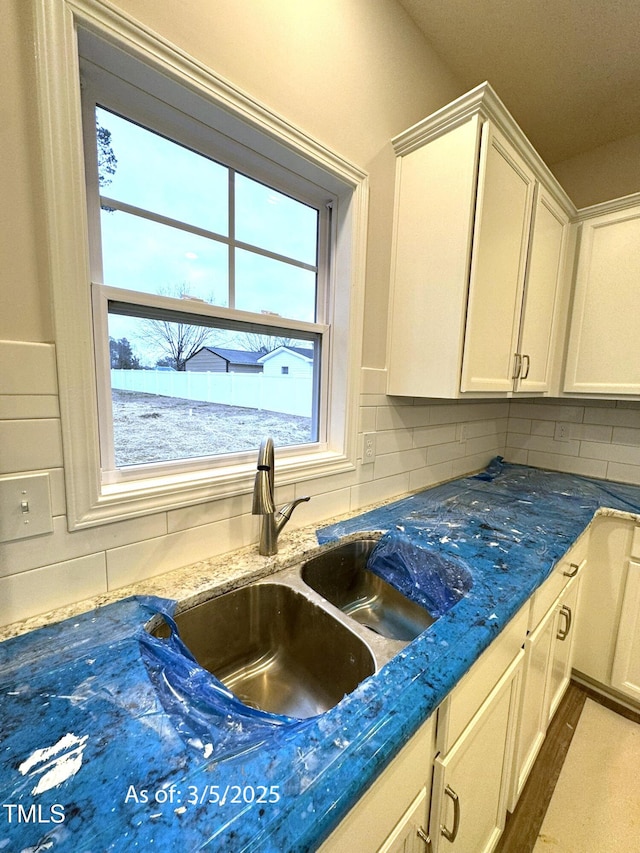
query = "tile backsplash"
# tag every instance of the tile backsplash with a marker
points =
(595, 438)
(417, 443)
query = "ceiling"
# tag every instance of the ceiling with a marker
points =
(567, 70)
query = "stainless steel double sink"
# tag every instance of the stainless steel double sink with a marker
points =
(296, 642)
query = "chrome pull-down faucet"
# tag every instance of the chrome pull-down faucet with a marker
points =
(273, 520)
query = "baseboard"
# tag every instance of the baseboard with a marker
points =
(607, 696)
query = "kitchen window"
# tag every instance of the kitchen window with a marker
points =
(222, 245)
(192, 256)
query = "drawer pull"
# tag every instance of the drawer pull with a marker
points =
(566, 612)
(450, 835)
(422, 835)
(575, 568)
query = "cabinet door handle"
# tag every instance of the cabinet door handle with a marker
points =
(450, 835)
(422, 835)
(527, 361)
(517, 365)
(566, 612)
(574, 570)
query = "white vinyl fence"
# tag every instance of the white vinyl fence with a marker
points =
(291, 395)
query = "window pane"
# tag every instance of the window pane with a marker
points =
(151, 172)
(142, 255)
(229, 392)
(265, 285)
(275, 222)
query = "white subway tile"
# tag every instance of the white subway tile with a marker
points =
(61, 545)
(426, 436)
(547, 428)
(389, 464)
(367, 419)
(515, 455)
(439, 453)
(40, 590)
(521, 425)
(27, 368)
(20, 407)
(626, 435)
(625, 454)
(393, 441)
(367, 494)
(30, 445)
(548, 411)
(423, 478)
(613, 416)
(570, 464)
(142, 560)
(624, 473)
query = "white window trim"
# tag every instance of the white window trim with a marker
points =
(89, 501)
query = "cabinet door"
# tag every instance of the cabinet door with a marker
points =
(625, 675)
(560, 670)
(500, 244)
(471, 781)
(409, 835)
(544, 275)
(532, 720)
(605, 321)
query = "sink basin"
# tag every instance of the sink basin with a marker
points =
(340, 576)
(275, 649)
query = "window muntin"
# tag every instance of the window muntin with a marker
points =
(265, 264)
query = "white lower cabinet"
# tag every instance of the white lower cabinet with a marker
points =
(409, 836)
(625, 672)
(389, 815)
(548, 654)
(562, 648)
(532, 723)
(470, 782)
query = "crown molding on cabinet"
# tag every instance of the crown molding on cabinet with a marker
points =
(484, 102)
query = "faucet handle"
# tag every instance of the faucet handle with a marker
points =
(287, 509)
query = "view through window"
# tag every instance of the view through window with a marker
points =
(179, 233)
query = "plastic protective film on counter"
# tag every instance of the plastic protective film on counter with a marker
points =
(113, 739)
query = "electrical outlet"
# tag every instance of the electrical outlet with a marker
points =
(368, 447)
(563, 431)
(462, 432)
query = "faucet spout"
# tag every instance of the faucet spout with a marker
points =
(273, 520)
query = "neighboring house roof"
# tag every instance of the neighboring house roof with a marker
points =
(301, 352)
(233, 356)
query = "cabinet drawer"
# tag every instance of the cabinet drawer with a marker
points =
(566, 568)
(463, 702)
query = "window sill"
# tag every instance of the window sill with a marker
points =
(122, 501)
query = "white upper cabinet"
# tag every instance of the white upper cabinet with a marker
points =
(605, 323)
(542, 293)
(498, 262)
(478, 256)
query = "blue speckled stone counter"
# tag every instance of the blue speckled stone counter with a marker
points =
(103, 748)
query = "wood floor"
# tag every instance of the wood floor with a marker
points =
(523, 826)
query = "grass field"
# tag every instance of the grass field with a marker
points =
(149, 428)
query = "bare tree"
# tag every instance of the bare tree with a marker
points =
(254, 342)
(176, 340)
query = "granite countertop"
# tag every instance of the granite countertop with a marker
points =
(108, 746)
